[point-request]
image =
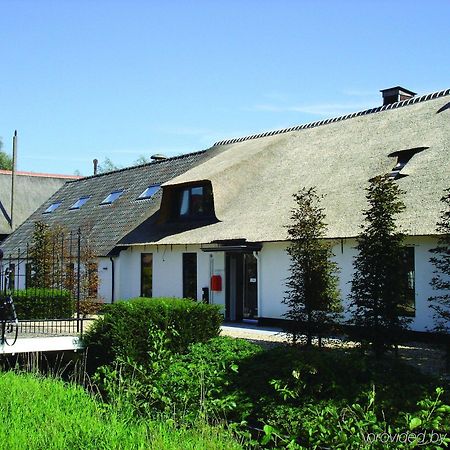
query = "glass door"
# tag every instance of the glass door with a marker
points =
(250, 300)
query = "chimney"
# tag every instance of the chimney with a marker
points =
(396, 94)
(95, 161)
(158, 157)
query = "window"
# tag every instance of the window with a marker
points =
(408, 308)
(403, 157)
(195, 202)
(111, 198)
(52, 207)
(69, 278)
(190, 275)
(28, 275)
(11, 276)
(146, 274)
(80, 202)
(92, 279)
(149, 192)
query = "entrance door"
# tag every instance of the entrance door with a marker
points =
(241, 287)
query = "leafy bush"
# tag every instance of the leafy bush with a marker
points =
(124, 329)
(188, 385)
(41, 303)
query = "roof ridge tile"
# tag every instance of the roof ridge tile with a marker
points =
(318, 123)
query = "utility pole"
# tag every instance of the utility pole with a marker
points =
(13, 177)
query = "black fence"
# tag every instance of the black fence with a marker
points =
(53, 282)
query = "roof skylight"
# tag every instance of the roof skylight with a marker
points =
(52, 207)
(111, 198)
(150, 191)
(80, 202)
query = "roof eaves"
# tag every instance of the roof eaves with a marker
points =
(318, 123)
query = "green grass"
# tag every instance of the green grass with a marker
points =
(45, 413)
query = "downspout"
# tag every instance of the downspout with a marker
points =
(112, 279)
(258, 282)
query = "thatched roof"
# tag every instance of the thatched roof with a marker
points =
(254, 177)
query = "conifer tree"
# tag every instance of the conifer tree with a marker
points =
(379, 284)
(440, 303)
(312, 298)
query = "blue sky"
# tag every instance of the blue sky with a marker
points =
(82, 79)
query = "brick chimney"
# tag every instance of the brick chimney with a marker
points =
(396, 94)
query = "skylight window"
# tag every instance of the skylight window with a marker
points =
(150, 191)
(80, 202)
(52, 207)
(111, 198)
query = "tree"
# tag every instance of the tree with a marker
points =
(312, 297)
(379, 284)
(107, 166)
(440, 303)
(6, 162)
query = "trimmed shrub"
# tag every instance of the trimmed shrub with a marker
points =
(39, 303)
(124, 329)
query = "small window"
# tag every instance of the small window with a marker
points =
(52, 207)
(149, 192)
(146, 274)
(190, 275)
(195, 203)
(111, 198)
(80, 202)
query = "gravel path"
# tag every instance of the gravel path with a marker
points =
(428, 359)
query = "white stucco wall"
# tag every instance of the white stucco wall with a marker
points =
(167, 271)
(273, 272)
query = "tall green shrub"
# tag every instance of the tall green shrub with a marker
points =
(312, 298)
(125, 328)
(37, 303)
(378, 284)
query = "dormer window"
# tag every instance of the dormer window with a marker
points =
(403, 157)
(111, 198)
(80, 202)
(149, 192)
(52, 207)
(195, 202)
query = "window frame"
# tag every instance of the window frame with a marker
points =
(85, 198)
(190, 275)
(53, 207)
(111, 201)
(142, 197)
(206, 201)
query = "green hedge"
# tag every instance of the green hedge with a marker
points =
(43, 304)
(124, 329)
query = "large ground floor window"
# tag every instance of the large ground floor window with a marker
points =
(190, 275)
(146, 274)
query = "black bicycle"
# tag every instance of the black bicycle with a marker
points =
(9, 324)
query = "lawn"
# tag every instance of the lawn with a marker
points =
(45, 413)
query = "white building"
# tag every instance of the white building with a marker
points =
(219, 228)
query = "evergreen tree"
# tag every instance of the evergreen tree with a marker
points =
(379, 284)
(312, 297)
(441, 261)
